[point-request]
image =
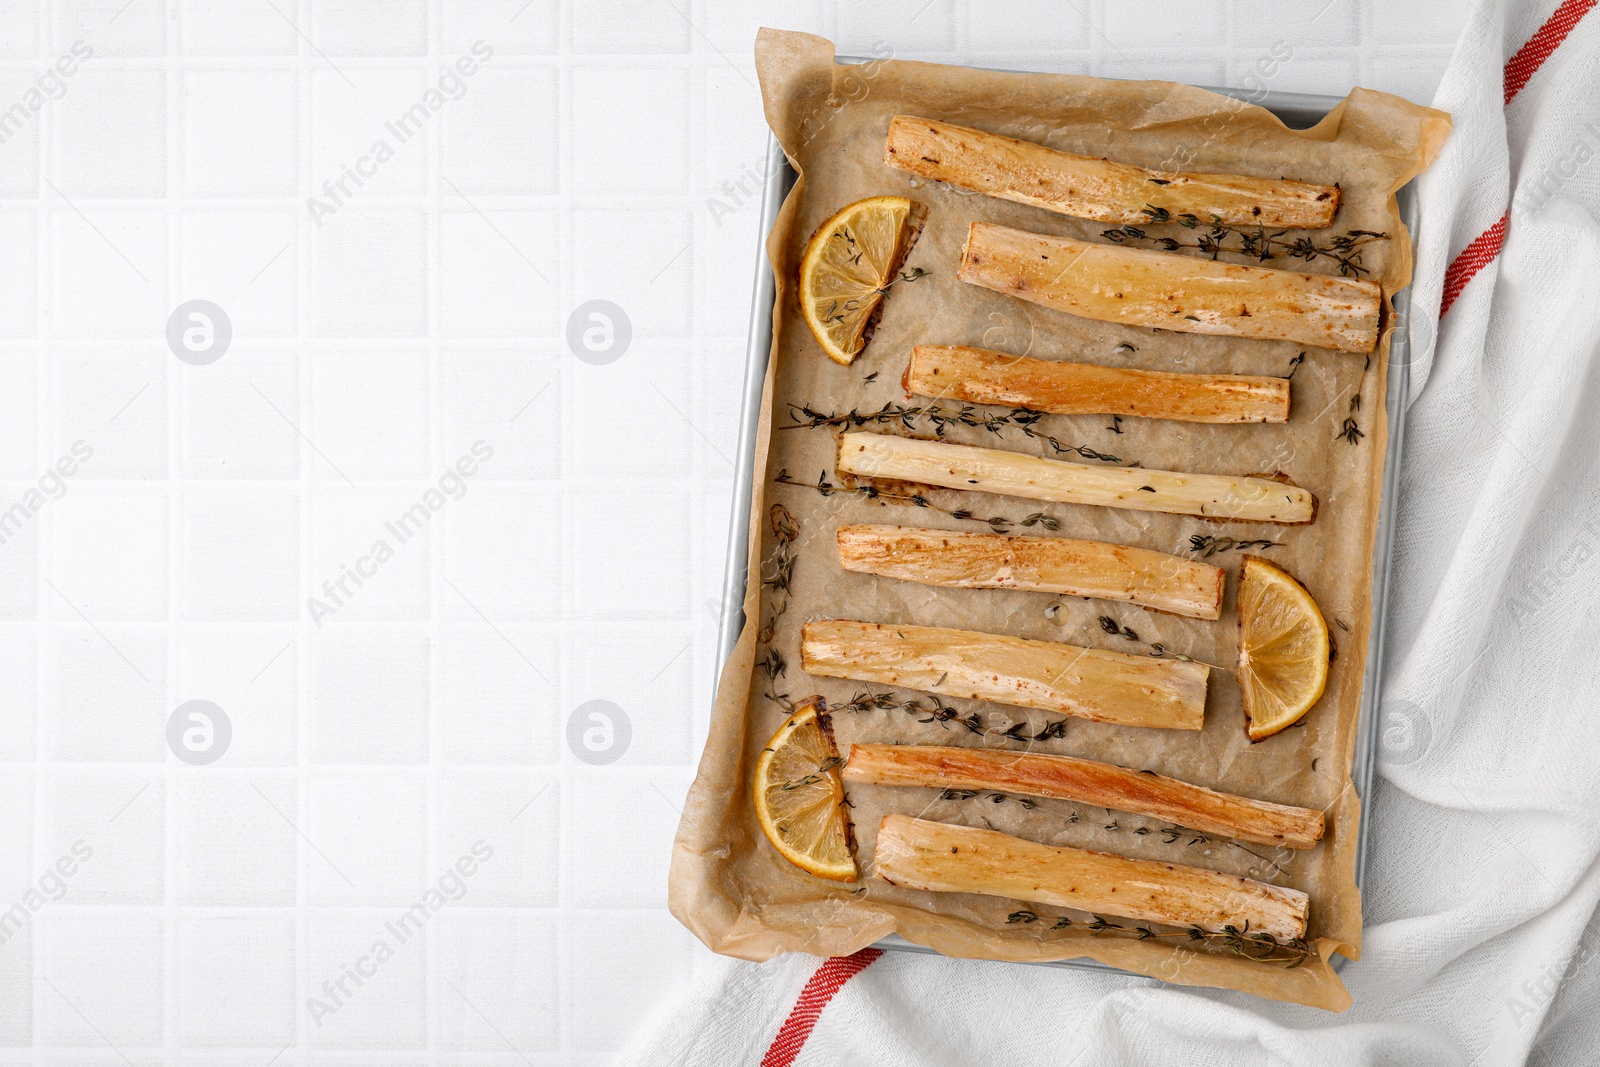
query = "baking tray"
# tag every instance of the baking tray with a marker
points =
(1298, 111)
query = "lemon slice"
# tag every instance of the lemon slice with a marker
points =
(1283, 648)
(847, 266)
(800, 799)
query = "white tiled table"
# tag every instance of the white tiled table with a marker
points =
(376, 338)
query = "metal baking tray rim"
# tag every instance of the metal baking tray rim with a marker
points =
(1297, 110)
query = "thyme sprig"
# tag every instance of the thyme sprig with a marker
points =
(936, 711)
(1241, 941)
(942, 418)
(843, 234)
(774, 664)
(998, 523)
(1208, 546)
(1350, 431)
(816, 776)
(915, 274)
(1018, 731)
(778, 575)
(1027, 803)
(836, 311)
(1127, 633)
(1344, 249)
(1116, 629)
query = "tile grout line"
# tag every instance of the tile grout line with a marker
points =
(305, 240)
(176, 507)
(44, 373)
(565, 298)
(434, 801)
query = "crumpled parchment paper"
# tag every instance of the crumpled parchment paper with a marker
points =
(727, 884)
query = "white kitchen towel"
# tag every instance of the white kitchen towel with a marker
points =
(1481, 944)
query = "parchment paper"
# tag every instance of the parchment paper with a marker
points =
(727, 884)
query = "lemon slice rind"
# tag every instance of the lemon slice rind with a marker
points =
(847, 264)
(799, 796)
(1283, 648)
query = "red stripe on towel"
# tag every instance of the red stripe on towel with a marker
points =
(1520, 69)
(828, 980)
(1472, 259)
(1531, 56)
